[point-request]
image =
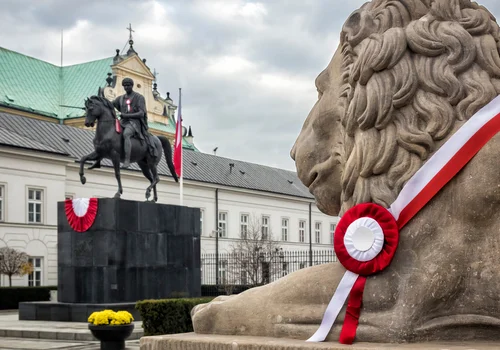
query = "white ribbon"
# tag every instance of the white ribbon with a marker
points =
(335, 305)
(80, 206)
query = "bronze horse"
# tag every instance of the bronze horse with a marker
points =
(108, 143)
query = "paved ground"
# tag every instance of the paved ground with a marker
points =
(44, 335)
(42, 344)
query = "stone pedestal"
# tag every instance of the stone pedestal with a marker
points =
(192, 341)
(133, 251)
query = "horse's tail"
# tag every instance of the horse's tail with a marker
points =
(167, 149)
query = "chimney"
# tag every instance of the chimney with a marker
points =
(189, 137)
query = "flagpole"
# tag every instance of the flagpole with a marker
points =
(181, 182)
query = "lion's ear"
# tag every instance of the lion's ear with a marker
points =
(358, 26)
(400, 13)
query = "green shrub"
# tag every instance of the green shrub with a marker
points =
(168, 316)
(214, 290)
(10, 297)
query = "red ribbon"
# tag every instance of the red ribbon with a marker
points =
(353, 311)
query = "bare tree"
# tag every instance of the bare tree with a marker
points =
(14, 263)
(255, 256)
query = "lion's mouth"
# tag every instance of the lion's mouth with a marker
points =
(319, 171)
(311, 178)
(459, 320)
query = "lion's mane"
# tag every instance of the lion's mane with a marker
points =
(413, 72)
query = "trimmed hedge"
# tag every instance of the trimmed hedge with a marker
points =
(214, 290)
(10, 297)
(168, 316)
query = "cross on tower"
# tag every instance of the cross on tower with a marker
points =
(129, 28)
(155, 73)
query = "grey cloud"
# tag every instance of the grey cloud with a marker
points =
(245, 120)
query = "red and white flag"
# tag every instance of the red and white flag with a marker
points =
(178, 140)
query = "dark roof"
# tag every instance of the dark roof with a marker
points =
(76, 142)
(12, 139)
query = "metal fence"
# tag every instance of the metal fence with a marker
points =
(240, 269)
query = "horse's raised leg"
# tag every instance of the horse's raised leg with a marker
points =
(147, 173)
(116, 165)
(96, 165)
(154, 171)
(91, 156)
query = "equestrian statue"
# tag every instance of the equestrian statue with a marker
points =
(126, 139)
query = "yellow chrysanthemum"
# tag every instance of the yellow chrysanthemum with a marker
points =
(109, 317)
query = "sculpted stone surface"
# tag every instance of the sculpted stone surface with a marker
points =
(406, 75)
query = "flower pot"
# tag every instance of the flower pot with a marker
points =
(112, 337)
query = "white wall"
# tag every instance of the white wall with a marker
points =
(20, 171)
(59, 177)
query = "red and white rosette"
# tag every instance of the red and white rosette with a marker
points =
(81, 213)
(367, 235)
(365, 242)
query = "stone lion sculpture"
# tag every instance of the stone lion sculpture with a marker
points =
(406, 75)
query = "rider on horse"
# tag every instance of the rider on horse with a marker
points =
(132, 107)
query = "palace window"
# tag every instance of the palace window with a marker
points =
(284, 229)
(223, 271)
(35, 278)
(332, 232)
(222, 224)
(202, 212)
(317, 232)
(243, 225)
(302, 231)
(2, 201)
(265, 227)
(202, 263)
(284, 270)
(244, 273)
(35, 200)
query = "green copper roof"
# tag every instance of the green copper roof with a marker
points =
(33, 85)
(28, 83)
(81, 81)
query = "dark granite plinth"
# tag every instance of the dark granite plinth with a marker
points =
(133, 251)
(66, 312)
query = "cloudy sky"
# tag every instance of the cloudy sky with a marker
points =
(246, 68)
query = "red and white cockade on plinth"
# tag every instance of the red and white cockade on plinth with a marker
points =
(81, 213)
(367, 235)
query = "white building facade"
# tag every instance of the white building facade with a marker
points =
(41, 140)
(32, 182)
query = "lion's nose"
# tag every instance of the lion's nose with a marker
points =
(293, 151)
